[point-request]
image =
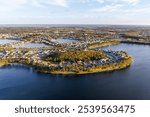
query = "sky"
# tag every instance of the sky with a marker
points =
(136, 12)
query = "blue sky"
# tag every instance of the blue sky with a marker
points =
(75, 12)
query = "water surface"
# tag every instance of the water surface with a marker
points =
(33, 45)
(7, 41)
(21, 82)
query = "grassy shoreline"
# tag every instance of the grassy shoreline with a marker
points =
(95, 69)
(105, 68)
(3, 63)
(112, 67)
(104, 44)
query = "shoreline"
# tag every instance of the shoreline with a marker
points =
(113, 67)
(105, 68)
(104, 44)
(98, 69)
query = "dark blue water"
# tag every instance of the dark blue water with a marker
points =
(21, 82)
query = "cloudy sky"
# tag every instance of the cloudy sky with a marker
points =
(75, 12)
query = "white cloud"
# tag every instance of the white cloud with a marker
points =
(138, 10)
(107, 11)
(133, 2)
(83, 1)
(114, 5)
(6, 5)
(108, 8)
(101, 1)
(42, 3)
(36, 3)
(9, 5)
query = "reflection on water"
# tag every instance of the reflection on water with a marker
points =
(7, 41)
(33, 45)
(22, 82)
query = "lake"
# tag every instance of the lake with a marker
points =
(7, 41)
(1, 53)
(22, 82)
(63, 41)
(33, 45)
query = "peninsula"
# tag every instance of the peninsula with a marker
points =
(62, 50)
